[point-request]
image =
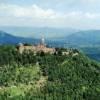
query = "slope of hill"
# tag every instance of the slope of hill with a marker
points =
(81, 40)
(91, 37)
(88, 38)
(47, 77)
(6, 38)
(87, 41)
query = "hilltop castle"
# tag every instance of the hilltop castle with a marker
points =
(41, 47)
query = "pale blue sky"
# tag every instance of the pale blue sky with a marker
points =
(81, 14)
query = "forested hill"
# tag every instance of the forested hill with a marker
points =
(48, 77)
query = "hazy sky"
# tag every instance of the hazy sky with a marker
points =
(81, 14)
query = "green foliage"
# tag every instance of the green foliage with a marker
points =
(47, 77)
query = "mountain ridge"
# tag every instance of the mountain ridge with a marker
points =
(36, 32)
(89, 37)
(86, 38)
(6, 38)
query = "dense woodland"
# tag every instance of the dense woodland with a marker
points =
(47, 77)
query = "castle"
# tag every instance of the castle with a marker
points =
(41, 47)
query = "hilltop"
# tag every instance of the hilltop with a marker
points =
(48, 77)
(87, 41)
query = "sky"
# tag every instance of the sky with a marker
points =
(77, 14)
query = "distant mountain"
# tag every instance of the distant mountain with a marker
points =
(36, 32)
(83, 38)
(6, 38)
(77, 39)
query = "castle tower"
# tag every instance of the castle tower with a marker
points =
(43, 40)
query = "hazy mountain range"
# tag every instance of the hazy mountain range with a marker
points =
(36, 32)
(67, 36)
(85, 38)
(87, 41)
(6, 38)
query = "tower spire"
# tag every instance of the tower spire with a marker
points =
(42, 40)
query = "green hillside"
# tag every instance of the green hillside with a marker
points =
(48, 77)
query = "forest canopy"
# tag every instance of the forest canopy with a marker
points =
(48, 77)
